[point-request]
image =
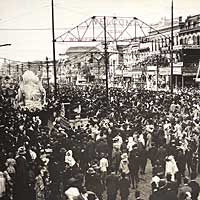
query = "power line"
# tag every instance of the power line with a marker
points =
(30, 29)
(10, 60)
(71, 10)
(30, 12)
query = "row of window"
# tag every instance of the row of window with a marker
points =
(192, 24)
(163, 42)
(190, 40)
(159, 43)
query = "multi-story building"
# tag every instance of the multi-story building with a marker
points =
(134, 54)
(160, 48)
(189, 47)
(83, 64)
(152, 58)
(143, 63)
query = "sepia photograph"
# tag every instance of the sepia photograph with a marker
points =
(99, 100)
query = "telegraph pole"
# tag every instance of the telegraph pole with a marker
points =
(54, 56)
(47, 75)
(9, 69)
(106, 60)
(29, 66)
(172, 43)
(157, 71)
(17, 68)
(22, 69)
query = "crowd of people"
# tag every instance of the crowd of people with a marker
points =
(105, 154)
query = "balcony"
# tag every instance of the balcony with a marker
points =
(189, 29)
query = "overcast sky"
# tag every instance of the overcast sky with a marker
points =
(19, 20)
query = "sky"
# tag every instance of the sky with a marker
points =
(26, 24)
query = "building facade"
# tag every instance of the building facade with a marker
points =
(150, 61)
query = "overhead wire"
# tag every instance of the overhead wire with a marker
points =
(26, 13)
(31, 29)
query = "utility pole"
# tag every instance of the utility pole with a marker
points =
(106, 60)
(9, 69)
(157, 71)
(22, 69)
(17, 68)
(54, 56)
(47, 75)
(171, 49)
(98, 61)
(29, 66)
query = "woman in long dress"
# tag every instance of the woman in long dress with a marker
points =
(171, 166)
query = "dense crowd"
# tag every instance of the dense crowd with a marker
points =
(107, 152)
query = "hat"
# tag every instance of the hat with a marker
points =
(162, 183)
(134, 146)
(21, 150)
(91, 170)
(124, 156)
(115, 139)
(95, 166)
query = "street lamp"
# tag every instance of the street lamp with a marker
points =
(3, 45)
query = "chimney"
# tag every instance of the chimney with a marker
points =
(180, 19)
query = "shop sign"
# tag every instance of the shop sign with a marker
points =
(189, 74)
(151, 68)
(127, 74)
(178, 64)
(188, 46)
(167, 71)
(137, 74)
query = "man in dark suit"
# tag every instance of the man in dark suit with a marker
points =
(112, 185)
(21, 185)
(134, 166)
(195, 186)
(184, 190)
(124, 186)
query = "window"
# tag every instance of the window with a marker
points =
(132, 54)
(176, 40)
(152, 45)
(162, 40)
(189, 24)
(158, 44)
(169, 41)
(194, 38)
(166, 42)
(198, 40)
(181, 41)
(194, 24)
(185, 41)
(190, 40)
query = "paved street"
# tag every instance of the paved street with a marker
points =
(144, 185)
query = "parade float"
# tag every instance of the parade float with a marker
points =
(31, 94)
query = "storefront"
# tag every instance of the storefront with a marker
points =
(137, 80)
(165, 73)
(151, 78)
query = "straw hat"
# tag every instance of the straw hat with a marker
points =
(91, 170)
(124, 156)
